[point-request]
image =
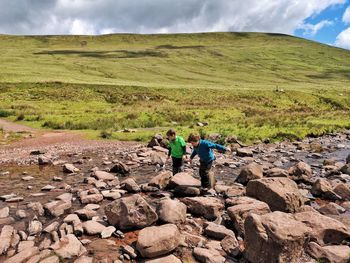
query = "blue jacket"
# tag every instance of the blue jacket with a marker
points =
(205, 152)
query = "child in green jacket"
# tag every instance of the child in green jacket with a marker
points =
(177, 151)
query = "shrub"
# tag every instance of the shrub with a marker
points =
(106, 134)
(20, 117)
(6, 113)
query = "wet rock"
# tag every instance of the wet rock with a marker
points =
(281, 194)
(323, 229)
(120, 168)
(93, 227)
(43, 160)
(230, 245)
(336, 254)
(86, 214)
(277, 236)
(158, 240)
(216, 231)
(70, 168)
(130, 212)
(5, 238)
(108, 232)
(208, 255)
(343, 190)
(276, 172)
(323, 188)
(238, 213)
(244, 152)
(57, 208)
(69, 247)
(130, 185)
(101, 175)
(346, 169)
(166, 259)
(301, 172)
(250, 172)
(48, 188)
(35, 227)
(4, 212)
(172, 211)
(23, 256)
(208, 207)
(161, 180)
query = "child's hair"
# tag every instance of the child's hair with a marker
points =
(171, 132)
(193, 138)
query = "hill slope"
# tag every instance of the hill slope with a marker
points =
(251, 84)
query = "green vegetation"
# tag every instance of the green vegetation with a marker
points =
(255, 86)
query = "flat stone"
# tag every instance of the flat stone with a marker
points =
(4, 212)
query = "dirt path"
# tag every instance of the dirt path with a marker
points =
(50, 142)
(9, 126)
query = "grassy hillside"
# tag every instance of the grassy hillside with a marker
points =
(253, 85)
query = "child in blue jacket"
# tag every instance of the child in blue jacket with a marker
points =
(204, 149)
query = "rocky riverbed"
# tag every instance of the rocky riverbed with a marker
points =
(280, 202)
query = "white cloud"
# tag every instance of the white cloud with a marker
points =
(346, 16)
(343, 39)
(157, 16)
(310, 29)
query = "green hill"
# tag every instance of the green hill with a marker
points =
(253, 85)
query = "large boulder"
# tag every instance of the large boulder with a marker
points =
(274, 237)
(343, 190)
(208, 207)
(158, 240)
(172, 211)
(130, 212)
(281, 194)
(183, 179)
(161, 180)
(184, 184)
(345, 169)
(336, 254)
(130, 185)
(120, 168)
(301, 172)
(323, 229)
(249, 172)
(323, 188)
(238, 213)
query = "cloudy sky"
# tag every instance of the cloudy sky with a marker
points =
(326, 21)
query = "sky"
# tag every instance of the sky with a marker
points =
(325, 21)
